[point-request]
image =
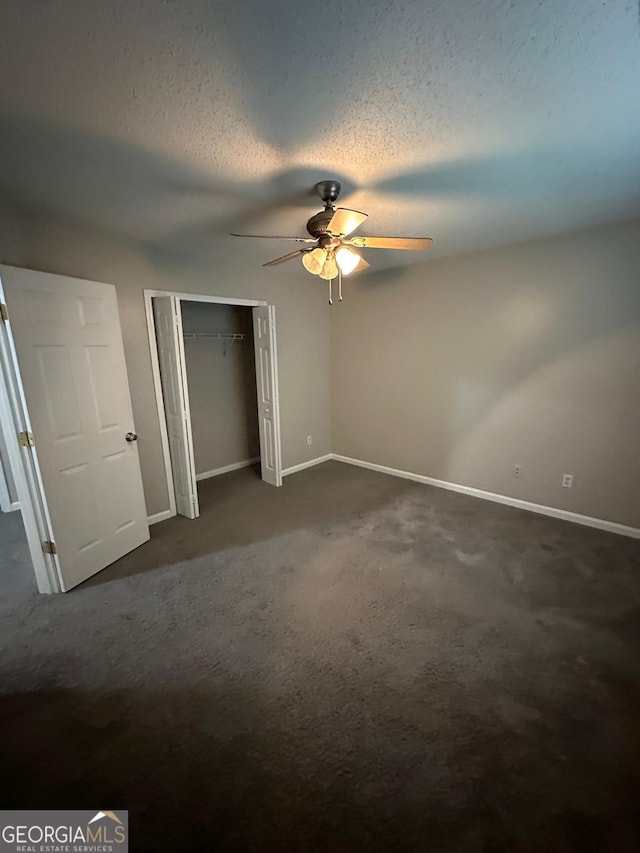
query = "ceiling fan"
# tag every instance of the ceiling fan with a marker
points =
(330, 230)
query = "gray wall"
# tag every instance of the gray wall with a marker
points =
(222, 385)
(222, 267)
(461, 368)
(456, 369)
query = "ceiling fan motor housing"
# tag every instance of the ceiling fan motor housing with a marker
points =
(328, 192)
(318, 224)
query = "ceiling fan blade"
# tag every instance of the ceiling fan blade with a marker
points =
(272, 237)
(415, 244)
(286, 257)
(344, 221)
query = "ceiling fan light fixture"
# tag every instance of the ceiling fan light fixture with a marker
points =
(330, 268)
(331, 229)
(347, 260)
(314, 261)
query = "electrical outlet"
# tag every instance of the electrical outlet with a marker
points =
(567, 481)
(516, 470)
(309, 439)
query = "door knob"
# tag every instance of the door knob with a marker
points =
(131, 436)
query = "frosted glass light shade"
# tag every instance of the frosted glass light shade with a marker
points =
(347, 260)
(330, 268)
(314, 261)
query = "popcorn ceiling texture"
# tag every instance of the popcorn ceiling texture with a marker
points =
(478, 123)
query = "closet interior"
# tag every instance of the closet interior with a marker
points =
(221, 377)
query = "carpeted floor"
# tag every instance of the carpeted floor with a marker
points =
(350, 663)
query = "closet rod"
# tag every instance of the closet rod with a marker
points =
(223, 336)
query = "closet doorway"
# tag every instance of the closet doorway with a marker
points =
(214, 366)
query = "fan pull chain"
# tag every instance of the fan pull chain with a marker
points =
(330, 281)
(339, 284)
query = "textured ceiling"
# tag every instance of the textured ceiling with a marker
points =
(477, 123)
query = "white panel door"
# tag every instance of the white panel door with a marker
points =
(70, 358)
(173, 375)
(264, 339)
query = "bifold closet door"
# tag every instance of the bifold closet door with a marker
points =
(175, 391)
(264, 341)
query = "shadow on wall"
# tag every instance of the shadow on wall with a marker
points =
(493, 348)
(537, 356)
(598, 419)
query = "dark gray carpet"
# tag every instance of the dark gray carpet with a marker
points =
(350, 663)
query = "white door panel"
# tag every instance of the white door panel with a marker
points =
(173, 375)
(264, 340)
(70, 357)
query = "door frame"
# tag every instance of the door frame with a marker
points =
(157, 384)
(14, 419)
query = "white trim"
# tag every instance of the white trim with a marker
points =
(14, 506)
(235, 466)
(157, 387)
(318, 461)
(200, 297)
(192, 510)
(160, 516)
(14, 418)
(554, 512)
(268, 412)
(155, 366)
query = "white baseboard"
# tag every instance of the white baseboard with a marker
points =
(160, 516)
(226, 468)
(14, 506)
(554, 512)
(317, 461)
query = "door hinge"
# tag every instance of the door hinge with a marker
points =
(26, 439)
(49, 547)
(4, 314)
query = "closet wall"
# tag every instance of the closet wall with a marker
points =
(222, 385)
